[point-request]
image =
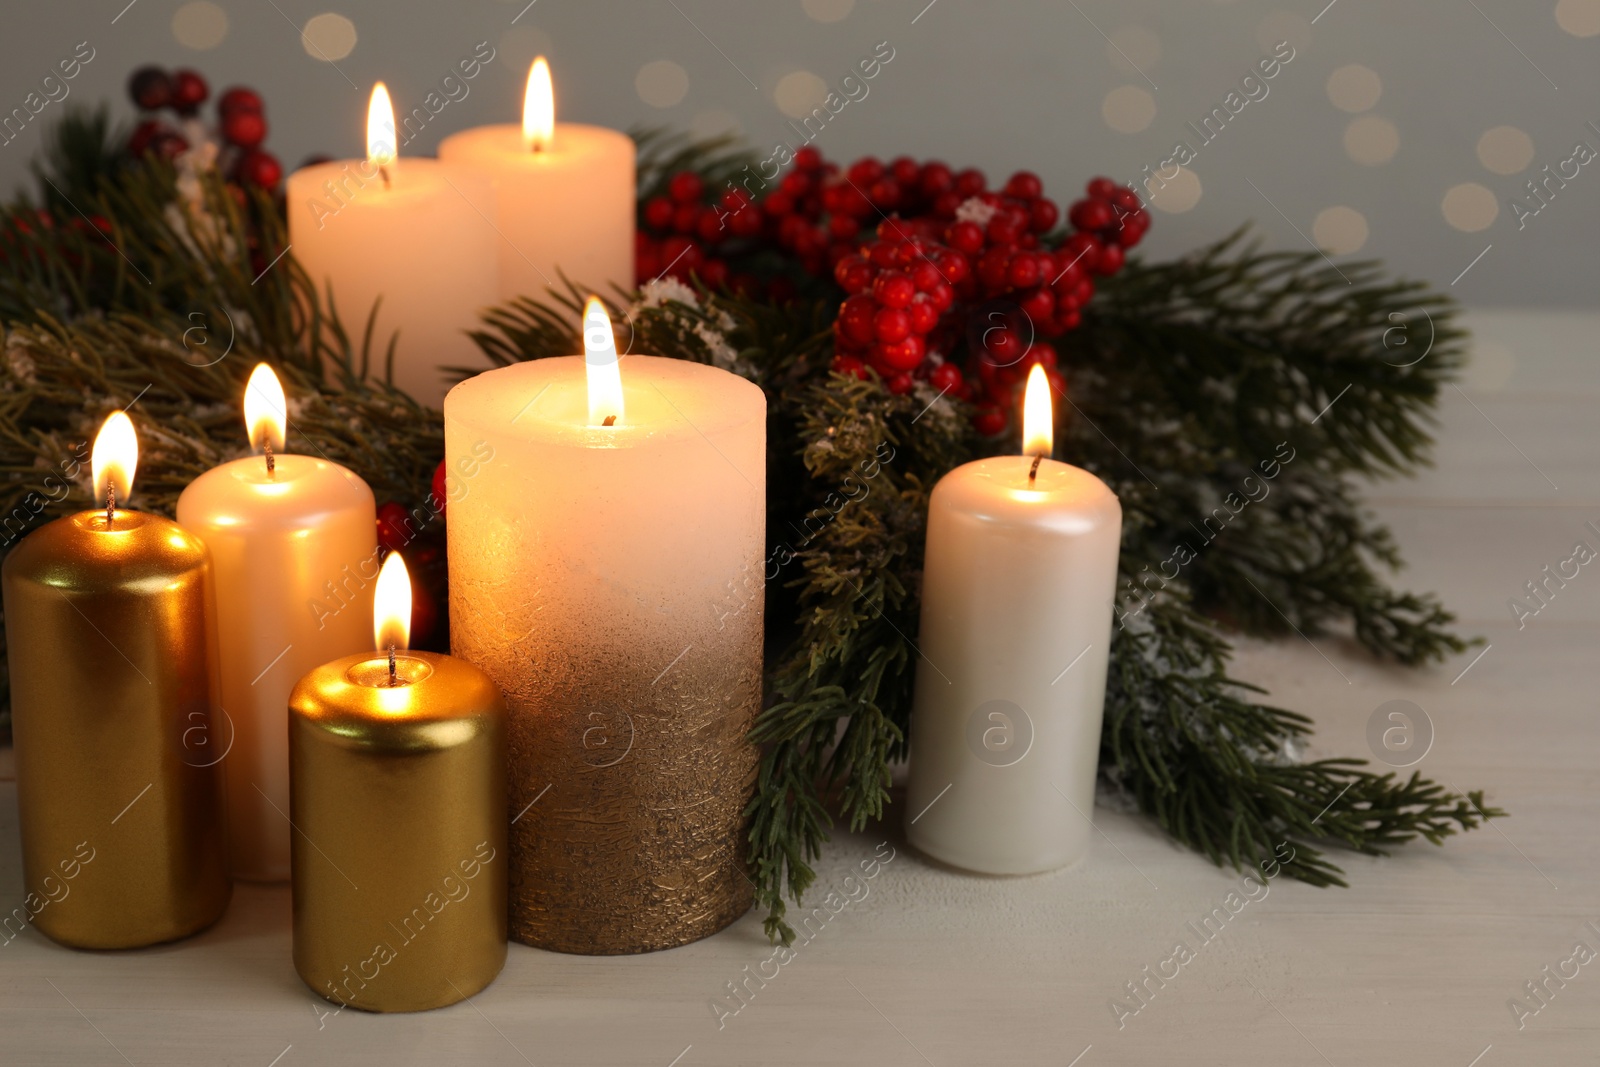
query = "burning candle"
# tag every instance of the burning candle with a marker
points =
(417, 234)
(564, 195)
(1018, 584)
(398, 789)
(112, 649)
(606, 572)
(294, 550)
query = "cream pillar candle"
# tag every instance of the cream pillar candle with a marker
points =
(417, 233)
(1018, 584)
(600, 574)
(283, 531)
(564, 195)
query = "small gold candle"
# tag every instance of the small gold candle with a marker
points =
(112, 644)
(397, 789)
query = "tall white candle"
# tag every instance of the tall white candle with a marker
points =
(605, 572)
(417, 234)
(564, 195)
(293, 551)
(1018, 585)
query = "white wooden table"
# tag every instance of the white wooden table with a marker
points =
(1413, 965)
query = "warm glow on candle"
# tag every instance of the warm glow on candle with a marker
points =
(266, 413)
(391, 607)
(115, 457)
(600, 361)
(1037, 415)
(539, 108)
(381, 141)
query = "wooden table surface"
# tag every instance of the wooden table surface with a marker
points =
(1416, 964)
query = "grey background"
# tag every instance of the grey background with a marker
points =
(999, 85)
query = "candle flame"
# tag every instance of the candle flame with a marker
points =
(115, 457)
(1038, 416)
(381, 142)
(539, 108)
(266, 413)
(391, 608)
(600, 362)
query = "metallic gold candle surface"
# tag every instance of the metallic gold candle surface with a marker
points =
(112, 644)
(397, 789)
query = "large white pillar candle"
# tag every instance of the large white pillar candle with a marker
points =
(605, 572)
(417, 234)
(563, 194)
(293, 543)
(1018, 585)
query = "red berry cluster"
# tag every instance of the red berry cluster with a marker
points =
(945, 280)
(242, 123)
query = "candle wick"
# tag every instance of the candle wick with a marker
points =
(610, 420)
(383, 172)
(392, 681)
(1033, 472)
(272, 463)
(111, 502)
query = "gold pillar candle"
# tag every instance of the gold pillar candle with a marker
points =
(397, 789)
(112, 645)
(606, 571)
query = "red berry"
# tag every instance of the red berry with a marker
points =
(247, 129)
(941, 297)
(890, 325)
(238, 98)
(1126, 199)
(778, 204)
(685, 187)
(714, 274)
(946, 203)
(1043, 216)
(1003, 229)
(994, 269)
(1039, 305)
(905, 170)
(935, 179)
(952, 266)
(1069, 320)
(854, 274)
(169, 145)
(901, 384)
(882, 254)
(1002, 345)
(925, 274)
(850, 365)
(1091, 214)
(808, 158)
(189, 91)
(946, 378)
(856, 320)
(708, 226)
(864, 171)
(893, 289)
(989, 420)
(745, 222)
(1023, 272)
(844, 227)
(150, 88)
(1110, 260)
(905, 354)
(1041, 353)
(924, 314)
(646, 260)
(1101, 188)
(684, 217)
(658, 212)
(884, 193)
(440, 485)
(1082, 249)
(1024, 185)
(260, 168)
(971, 182)
(144, 136)
(394, 526)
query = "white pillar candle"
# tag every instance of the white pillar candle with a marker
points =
(417, 233)
(563, 193)
(1018, 584)
(294, 552)
(607, 577)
